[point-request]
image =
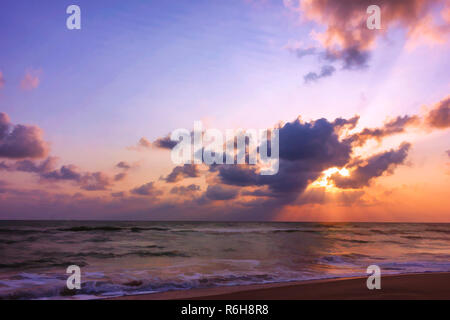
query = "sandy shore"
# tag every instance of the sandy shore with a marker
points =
(410, 286)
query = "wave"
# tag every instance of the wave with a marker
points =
(111, 228)
(22, 231)
(350, 240)
(244, 230)
(156, 254)
(56, 287)
(86, 228)
(446, 231)
(41, 263)
(66, 259)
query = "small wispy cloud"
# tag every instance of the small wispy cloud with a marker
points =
(143, 144)
(31, 80)
(2, 80)
(326, 71)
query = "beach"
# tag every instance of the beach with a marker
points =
(424, 286)
(213, 258)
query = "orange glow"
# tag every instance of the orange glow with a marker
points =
(324, 181)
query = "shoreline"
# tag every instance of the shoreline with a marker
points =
(432, 285)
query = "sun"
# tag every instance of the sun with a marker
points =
(324, 182)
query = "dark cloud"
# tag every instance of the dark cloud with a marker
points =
(306, 149)
(362, 174)
(182, 190)
(352, 58)
(165, 143)
(123, 165)
(67, 172)
(303, 52)
(218, 192)
(439, 117)
(448, 152)
(120, 176)
(96, 181)
(30, 166)
(313, 143)
(341, 124)
(181, 172)
(162, 143)
(260, 192)
(89, 181)
(395, 126)
(326, 71)
(120, 194)
(147, 189)
(20, 141)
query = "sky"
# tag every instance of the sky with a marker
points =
(363, 114)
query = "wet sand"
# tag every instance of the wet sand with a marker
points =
(409, 286)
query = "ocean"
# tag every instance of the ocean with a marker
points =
(123, 258)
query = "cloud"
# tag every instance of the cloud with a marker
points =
(303, 52)
(165, 143)
(392, 127)
(182, 190)
(362, 174)
(20, 141)
(95, 181)
(123, 165)
(160, 143)
(259, 192)
(31, 80)
(147, 189)
(218, 192)
(67, 172)
(2, 80)
(89, 181)
(352, 58)
(30, 166)
(120, 176)
(346, 38)
(315, 142)
(306, 149)
(181, 172)
(120, 194)
(439, 117)
(326, 71)
(143, 143)
(448, 152)
(349, 124)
